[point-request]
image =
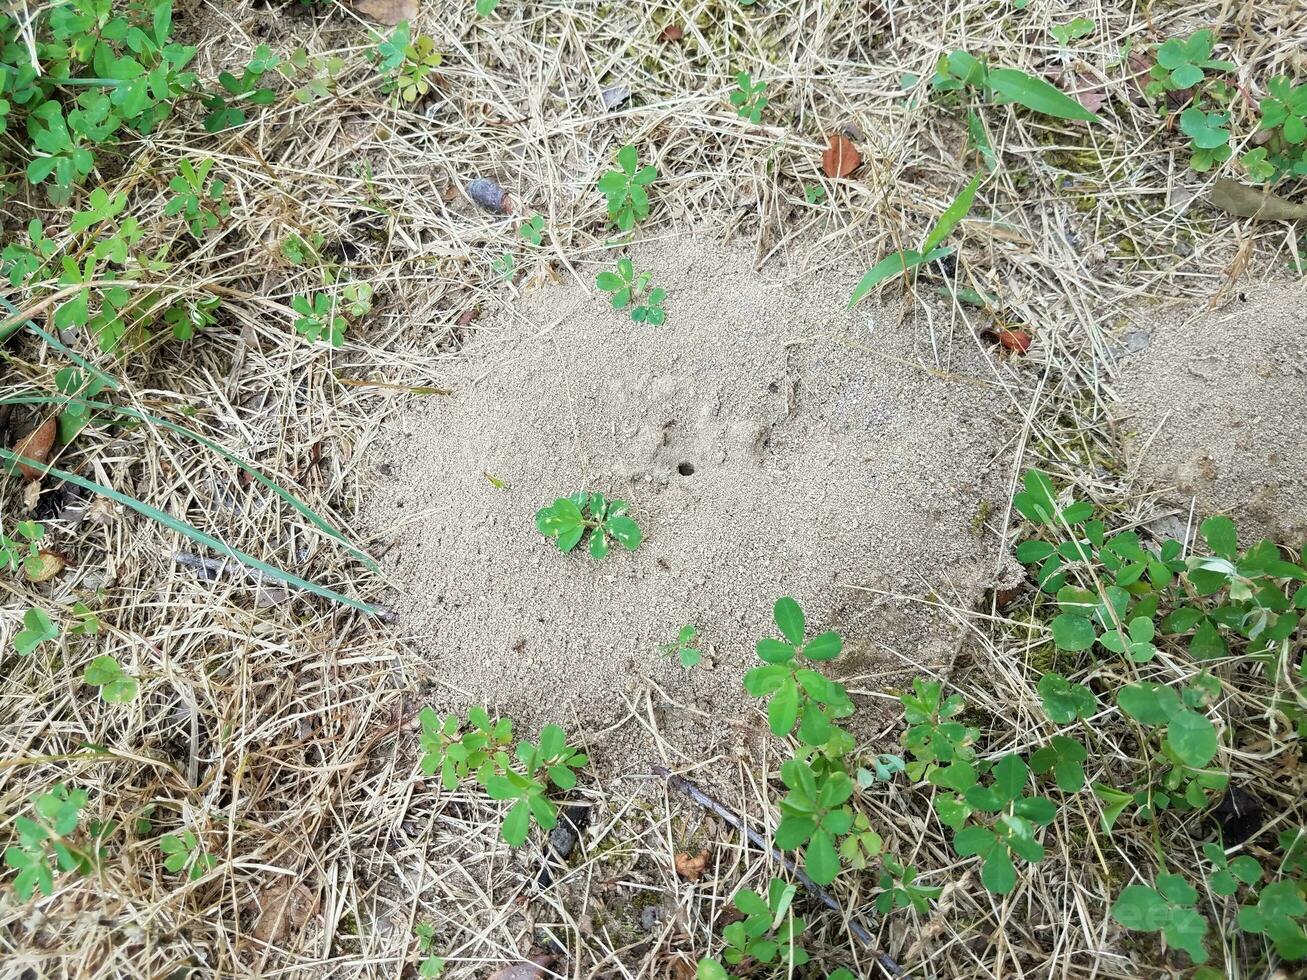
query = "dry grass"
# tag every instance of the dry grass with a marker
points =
(279, 729)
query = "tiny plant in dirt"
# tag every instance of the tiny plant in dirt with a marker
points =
(184, 853)
(629, 288)
(532, 229)
(1072, 30)
(37, 629)
(960, 70)
(413, 79)
(45, 844)
(626, 189)
(1208, 135)
(686, 647)
(899, 889)
(769, 931)
(116, 687)
(23, 550)
(319, 319)
(932, 247)
(196, 198)
(1184, 65)
(748, 98)
(431, 966)
(479, 752)
(569, 520)
(1284, 118)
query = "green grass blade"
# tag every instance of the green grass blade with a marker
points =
(189, 531)
(890, 267)
(301, 507)
(954, 213)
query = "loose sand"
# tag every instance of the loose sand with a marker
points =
(769, 442)
(1214, 411)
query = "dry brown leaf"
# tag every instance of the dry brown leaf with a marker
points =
(283, 906)
(691, 866)
(389, 12)
(52, 563)
(31, 495)
(36, 445)
(672, 32)
(841, 157)
(1253, 202)
(531, 969)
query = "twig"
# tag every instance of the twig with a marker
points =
(683, 785)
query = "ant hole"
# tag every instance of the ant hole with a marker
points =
(686, 469)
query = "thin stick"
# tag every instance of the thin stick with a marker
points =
(683, 785)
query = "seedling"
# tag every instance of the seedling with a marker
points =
(685, 648)
(570, 519)
(197, 198)
(626, 189)
(188, 316)
(37, 629)
(1065, 701)
(1209, 137)
(485, 8)
(769, 932)
(1281, 916)
(798, 694)
(883, 769)
(932, 738)
(480, 754)
(414, 78)
(225, 108)
(532, 229)
(629, 289)
(44, 845)
(504, 266)
(1230, 872)
(1284, 116)
(184, 852)
(1014, 826)
(1184, 64)
(748, 98)
(861, 845)
(431, 966)
(814, 193)
(319, 319)
(959, 70)
(899, 889)
(1167, 908)
(901, 261)
(115, 686)
(1072, 30)
(24, 553)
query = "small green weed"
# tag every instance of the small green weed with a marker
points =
(748, 98)
(197, 198)
(1072, 30)
(431, 966)
(480, 754)
(1209, 137)
(1167, 908)
(45, 845)
(899, 889)
(1184, 64)
(768, 932)
(685, 648)
(960, 70)
(569, 519)
(319, 318)
(631, 289)
(626, 189)
(115, 686)
(23, 551)
(37, 629)
(185, 852)
(532, 229)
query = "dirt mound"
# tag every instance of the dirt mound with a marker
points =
(769, 444)
(1215, 408)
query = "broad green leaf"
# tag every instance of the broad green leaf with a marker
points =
(1192, 737)
(1013, 85)
(1140, 907)
(1072, 632)
(825, 646)
(517, 823)
(783, 709)
(1220, 535)
(789, 619)
(1148, 703)
(821, 860)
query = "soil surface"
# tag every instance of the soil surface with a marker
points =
(1214, 409)
(769, 443)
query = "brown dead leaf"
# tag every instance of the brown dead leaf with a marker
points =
(670, 33)
(531, 969)
(31, 495)
(284, 906)
(1017, 341)
(389, 12)
(1088, 92)
(52, 563)
(691, 866)
(1254, 202)
(36, 445)
(841, 157)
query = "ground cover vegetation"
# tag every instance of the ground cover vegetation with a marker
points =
(1136, 747)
